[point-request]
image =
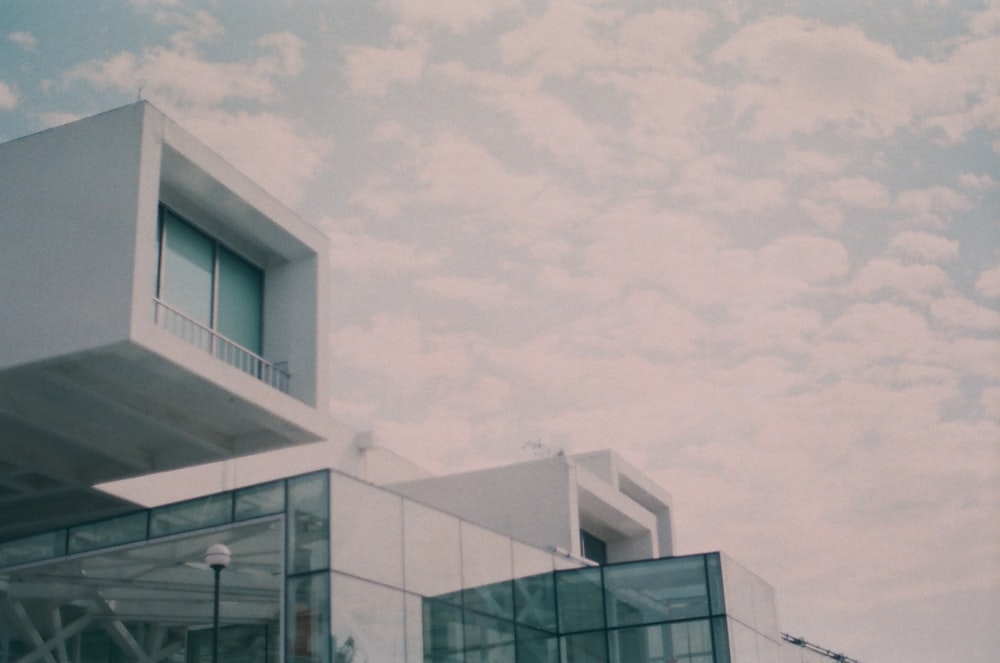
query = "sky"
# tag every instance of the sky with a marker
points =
(753, 246)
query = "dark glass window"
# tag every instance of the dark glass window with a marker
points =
(209, 283)
(593, 548)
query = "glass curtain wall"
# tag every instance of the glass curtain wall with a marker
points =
(655, 611)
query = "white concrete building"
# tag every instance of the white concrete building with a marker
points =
(163, 317)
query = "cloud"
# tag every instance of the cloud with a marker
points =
(988, 283)
(281, 157)
(458, 16)
(560, 42)
(859, 192)
(806, 75)
(932, 207)
(962, 313)
(370, 71)
(924, 247)
(458, 171)
(180, 76)
(27, 41)
(710, 182)
(400, 349)
(367, 256)
(8, 97)
(883, 276)
(477, 292)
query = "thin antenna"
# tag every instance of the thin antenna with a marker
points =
(139, 94)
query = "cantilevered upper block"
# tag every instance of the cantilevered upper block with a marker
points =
(159, 309)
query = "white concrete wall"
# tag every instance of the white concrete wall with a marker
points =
(533, 502)
(68, 204)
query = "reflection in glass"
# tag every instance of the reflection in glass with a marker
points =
(257, 501)
(580, 598)
(536, 646)
(112, 532)
(655, 591)
(488, 640)
(535, 601)
(585, 648)
(307, 619)
(443, 632)
(308, 523)
(680, 642)
(367, 621)
(191, 515)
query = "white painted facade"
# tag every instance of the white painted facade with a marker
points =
(87, 375)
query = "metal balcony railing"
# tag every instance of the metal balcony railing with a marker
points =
(218, 345)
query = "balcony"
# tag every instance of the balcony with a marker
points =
(219, 346)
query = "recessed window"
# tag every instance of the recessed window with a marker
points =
(208, 283)
(593, 548)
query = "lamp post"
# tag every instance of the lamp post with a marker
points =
(217, 557)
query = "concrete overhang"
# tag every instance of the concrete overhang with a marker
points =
(123, 411)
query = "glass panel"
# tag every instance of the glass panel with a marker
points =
(488, 640)
(585, 648)
(536, 646)
(241, 643)
(240, 295)
(42, 546)
(443, 633)
(715, 593)
(257, 501)
(366, 531)
(431, 545)
(308, 523)
(113, 532)
(193, 514)
(187, 263)
(593, 548)
(720, 640)
(307, 625)
(656, 590)
(367, 621)
(684, 642)
(580, 600)
(486, 571)
(535, 601)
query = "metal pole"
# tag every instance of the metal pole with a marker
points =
(215, 616)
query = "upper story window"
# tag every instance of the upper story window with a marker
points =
(593, 548)
(209, 283)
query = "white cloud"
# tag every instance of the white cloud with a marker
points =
(560, 42)
(807, 75)
(459, 171)
(965, 314)
(8, 97)
(180, 76)
(988, 283)
(400, 349)
(883, 275)
(282, 158)
(458, 15)
(661, 39)
(370, 71)
(859, 192)
(932, 207)
(366, 256)
(477, 292)
(27, 41)
(924, 246)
